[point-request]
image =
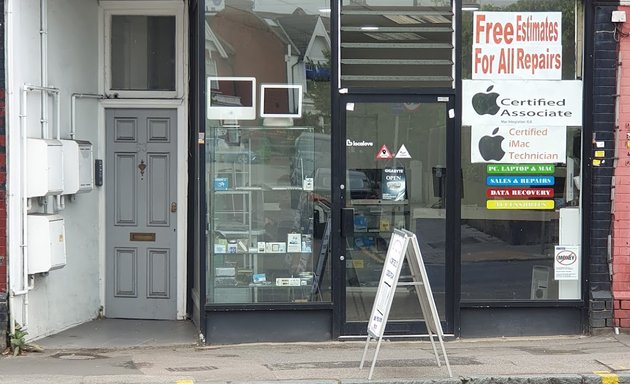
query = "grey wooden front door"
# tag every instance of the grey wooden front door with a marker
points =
(140, 180)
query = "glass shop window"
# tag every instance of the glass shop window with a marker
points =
(267, 137)
(521, 151)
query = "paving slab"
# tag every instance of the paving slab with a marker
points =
(153, 355)
(122, 333)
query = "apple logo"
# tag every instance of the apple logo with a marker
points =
(486, 103)
(490, 146)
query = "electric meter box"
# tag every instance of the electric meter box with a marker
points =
(44, 167)
(46, 242)
(78, 167)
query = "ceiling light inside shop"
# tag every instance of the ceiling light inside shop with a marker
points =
(470, 7)
(325, 11)
(369, 28)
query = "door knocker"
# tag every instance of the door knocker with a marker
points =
(142, 166)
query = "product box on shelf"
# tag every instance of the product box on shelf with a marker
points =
(364, 241)
(360, 223)
(384, 224)
(306, 244)
(226, 271)
(275, 247)
(294, 242)
(288, 281)
(259, 278)
(241, 245)
(221, 184)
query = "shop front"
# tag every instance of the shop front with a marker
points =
(323, 126)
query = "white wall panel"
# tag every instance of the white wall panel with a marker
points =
(68, 296)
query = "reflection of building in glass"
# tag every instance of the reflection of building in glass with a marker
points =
(284, 48)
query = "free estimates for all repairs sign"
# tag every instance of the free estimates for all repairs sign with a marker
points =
(517, 45)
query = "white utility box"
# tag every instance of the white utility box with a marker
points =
(78, 167)
(44, 167)
(46, 243)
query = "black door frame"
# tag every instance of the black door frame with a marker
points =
(453, 195)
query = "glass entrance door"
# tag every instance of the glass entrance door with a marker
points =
(396, 164)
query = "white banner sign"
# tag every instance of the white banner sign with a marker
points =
(566, 262)
(505, 144)
(526, 103)
(517, 45)
(387, 285)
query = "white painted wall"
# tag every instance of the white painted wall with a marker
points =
(70, 295)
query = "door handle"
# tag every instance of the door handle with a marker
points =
(173, 207)
(347, 222)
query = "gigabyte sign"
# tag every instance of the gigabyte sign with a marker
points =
(531, 103)
(362, 143)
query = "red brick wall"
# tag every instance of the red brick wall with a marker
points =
(621, 197)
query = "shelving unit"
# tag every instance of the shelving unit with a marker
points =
(253, 221)
(366, 250)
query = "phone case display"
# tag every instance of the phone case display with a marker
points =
(261, 216)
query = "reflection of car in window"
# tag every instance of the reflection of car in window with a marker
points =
(224, 152)
(311, 152)
(360, 185)
(311, 158)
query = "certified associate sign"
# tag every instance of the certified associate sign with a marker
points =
(527, 103)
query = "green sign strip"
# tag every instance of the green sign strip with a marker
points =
(520, 169)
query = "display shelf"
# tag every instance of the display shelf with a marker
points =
(374, 220)
(262, 253)
(256, 204)
(286, 188)
(377, 202)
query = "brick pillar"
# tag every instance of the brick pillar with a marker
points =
(603, 90)
(621, 194)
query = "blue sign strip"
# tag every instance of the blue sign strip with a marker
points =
(520, 181)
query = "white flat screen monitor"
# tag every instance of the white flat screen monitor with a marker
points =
(281, 100)
(231, 98)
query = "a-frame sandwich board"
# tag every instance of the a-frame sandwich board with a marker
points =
(399, 249)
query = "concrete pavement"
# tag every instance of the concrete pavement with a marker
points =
(549, 360)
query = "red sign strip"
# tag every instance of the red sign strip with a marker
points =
(520, 193)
